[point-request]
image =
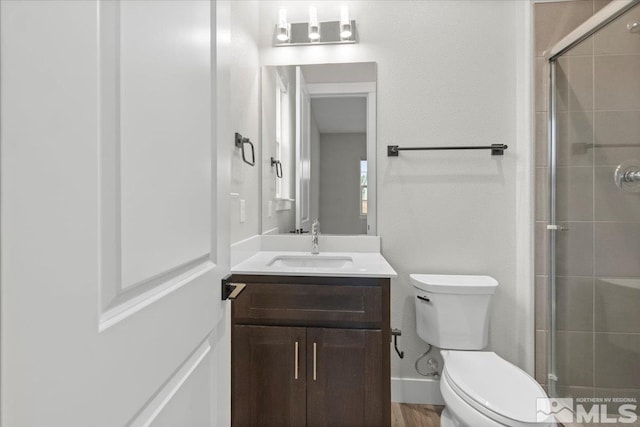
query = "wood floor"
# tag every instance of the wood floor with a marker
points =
(410, 415)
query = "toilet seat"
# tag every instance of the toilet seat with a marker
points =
(494, 387)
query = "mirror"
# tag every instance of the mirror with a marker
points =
(318, 148)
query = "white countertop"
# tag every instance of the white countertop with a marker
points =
(364, 264)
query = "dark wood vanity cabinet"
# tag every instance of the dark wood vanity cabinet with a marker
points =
(265, 388)
(311, 351)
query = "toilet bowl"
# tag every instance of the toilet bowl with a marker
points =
(480, 389)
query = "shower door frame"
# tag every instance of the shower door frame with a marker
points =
(599, 20)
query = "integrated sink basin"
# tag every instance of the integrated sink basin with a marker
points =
(310, 261)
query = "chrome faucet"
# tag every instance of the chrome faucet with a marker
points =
(315, 232)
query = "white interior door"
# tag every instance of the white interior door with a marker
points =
(303, 152)
(112, 252)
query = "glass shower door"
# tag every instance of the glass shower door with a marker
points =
(594, 217)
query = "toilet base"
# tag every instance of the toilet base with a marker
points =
(446, 420)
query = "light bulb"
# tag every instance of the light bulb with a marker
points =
(314, 26)
(282, 32)
(345, 23)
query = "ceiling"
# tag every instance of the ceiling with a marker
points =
(340, 115)
(340, 73)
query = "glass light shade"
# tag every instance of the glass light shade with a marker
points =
(345, 23)
(314, 26)
(314, 32)
(282, 32)
(345, 31)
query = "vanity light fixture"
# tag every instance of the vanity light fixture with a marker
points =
(345, 23)
(314, 26)
(282, 30)
(314, 32)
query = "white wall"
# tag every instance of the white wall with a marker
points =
(245, 117)
(449, 73)
(340, 155)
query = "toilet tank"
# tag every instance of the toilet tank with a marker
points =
(452, 311)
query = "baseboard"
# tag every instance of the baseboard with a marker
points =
(416, 390)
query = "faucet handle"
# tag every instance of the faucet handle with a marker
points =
(315, 233)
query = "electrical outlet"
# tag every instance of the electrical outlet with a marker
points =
(243, 210)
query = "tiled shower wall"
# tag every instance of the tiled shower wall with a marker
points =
(598, 254)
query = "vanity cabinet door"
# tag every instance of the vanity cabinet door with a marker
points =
(269, 376)
(345, 373)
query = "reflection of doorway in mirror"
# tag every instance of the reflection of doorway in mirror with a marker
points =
(341, 149)
(281, 143)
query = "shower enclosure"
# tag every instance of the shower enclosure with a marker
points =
(593, 231)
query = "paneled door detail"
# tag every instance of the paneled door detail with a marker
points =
(111, 250)
(155, 158)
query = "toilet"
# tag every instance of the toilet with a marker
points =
(480, 389)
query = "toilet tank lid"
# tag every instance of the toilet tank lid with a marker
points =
(454, 284)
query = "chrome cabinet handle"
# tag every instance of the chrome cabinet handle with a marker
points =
(314, 361)
(295, 361)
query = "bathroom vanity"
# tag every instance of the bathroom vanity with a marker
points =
(310, 334)
(311, 340)
(311, 351)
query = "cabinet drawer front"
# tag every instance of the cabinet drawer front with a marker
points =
(306, 304)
